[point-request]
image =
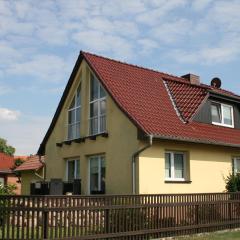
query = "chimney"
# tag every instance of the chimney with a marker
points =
(193, 79)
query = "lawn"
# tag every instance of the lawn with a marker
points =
(214, 236)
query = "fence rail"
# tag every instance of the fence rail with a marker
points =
(116, 216)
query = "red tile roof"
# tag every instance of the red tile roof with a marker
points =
(24, 158)
(186, 97)
(6, 163)
(142, 95)
(152, 100)
(32, 163)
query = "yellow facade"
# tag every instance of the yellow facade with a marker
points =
(117, 147)
(27, 177)
(207, 165)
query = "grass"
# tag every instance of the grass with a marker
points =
(231, 235)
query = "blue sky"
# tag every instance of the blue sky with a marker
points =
(40, 42)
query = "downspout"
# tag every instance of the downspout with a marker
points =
(44, 170)
(134, 157)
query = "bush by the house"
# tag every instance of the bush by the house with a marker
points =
(5, 190)
(233, 182)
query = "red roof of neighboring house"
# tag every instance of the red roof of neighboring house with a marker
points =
(6, 163)
(154, 100)
(24, 158)
(32, 163)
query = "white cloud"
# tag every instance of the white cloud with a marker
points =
(8, 115)
(8, 54)
(113, 27)
(99, 42)
(5, 8)
(172, 31)
(43, 67)
(207, 55)
(4, 89)
(161, 8)
(22, 9)
(123, 7)
(53, 35)
(147, 45)
(199, 5)
(26, 134)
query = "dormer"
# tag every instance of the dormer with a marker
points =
(220, 110)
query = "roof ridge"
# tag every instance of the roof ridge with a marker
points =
(204, 86)
(133, 65)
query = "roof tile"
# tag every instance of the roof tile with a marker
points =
(32, 163)
(142, 95)
(6, 162)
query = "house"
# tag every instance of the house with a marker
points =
(125, 129)
(32, 170)
(7, 175)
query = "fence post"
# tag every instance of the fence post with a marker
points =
(107, 222)
(229, 211)
(45, 224)
(196, 214)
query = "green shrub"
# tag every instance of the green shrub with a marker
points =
(233, 182)
(7, 189)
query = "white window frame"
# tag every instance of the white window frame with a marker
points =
(75, 108)
(99, 115)
(235, 159)
(172, 178)
(75, 168)
(99, 171)
(222, 117)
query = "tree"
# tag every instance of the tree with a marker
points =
(18, 162)
(5, 148)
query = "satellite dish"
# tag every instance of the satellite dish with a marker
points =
(216, 82)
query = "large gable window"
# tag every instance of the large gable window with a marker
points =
(222, 114)
(97, 107)
(74, 116)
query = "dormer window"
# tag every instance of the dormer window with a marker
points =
(222, 114)
(97, 121)
(74, 116)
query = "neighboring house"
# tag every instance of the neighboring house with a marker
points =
(7, 175)
(31, 170)
(126, 129)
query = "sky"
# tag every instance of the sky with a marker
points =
(40, 42)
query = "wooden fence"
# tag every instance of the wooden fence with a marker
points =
(116, 216)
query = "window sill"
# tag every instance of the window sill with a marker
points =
(82, 139)
(222, 125)
(93, 137)
(178, 181)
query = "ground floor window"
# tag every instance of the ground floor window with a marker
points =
(175, 166)
(97, 174)
(73, 169)
(236, 165)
